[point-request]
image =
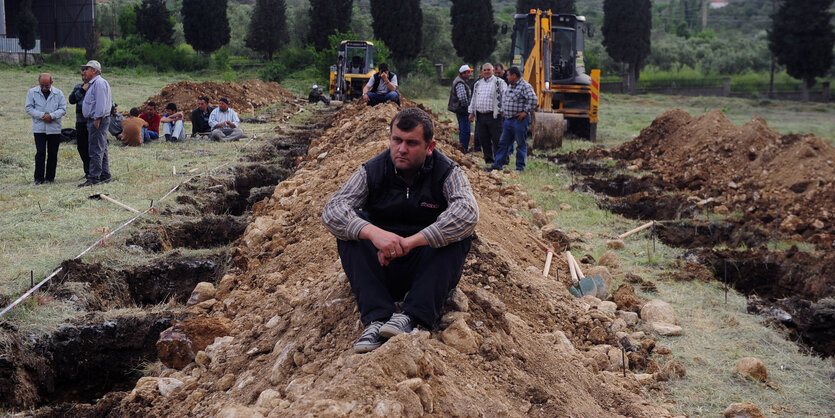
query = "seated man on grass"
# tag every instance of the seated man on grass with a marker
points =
(172, 124)
(403, 223)
(200, 117)
(152, 117)
(224, 122)
(133, 129)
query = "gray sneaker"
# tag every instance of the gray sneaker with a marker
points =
(370, 339)
(398, 324)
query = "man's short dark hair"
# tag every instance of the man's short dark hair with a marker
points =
(408, 119)
(134, 111)
(203, 98)
(154, 104)
(499, 65)
(515, 71)
(384, 67)
(171, 106)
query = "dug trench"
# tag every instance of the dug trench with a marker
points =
(121, 312)
(730, 238)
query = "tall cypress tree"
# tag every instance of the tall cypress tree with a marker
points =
(399, 24)
(326, 18)
(268, 28)
(473, 29)
(27, 28)
(801, 38)
(626, 30)
(153, 22)
(205, 24)
(555, 6)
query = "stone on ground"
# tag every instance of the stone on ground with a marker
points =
(657, 310)
(752, 367)
(743, 410)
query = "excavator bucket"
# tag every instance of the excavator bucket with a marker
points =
(547, 130)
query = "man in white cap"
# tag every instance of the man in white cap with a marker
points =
(316, 95)
(96, 110)
(459, 102)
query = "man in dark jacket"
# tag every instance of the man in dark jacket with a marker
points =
(200, 117)
(459, 102)
(404, 224)
(77, 98)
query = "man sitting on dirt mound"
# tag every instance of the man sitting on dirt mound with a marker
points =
(224, 122)
(404, 224)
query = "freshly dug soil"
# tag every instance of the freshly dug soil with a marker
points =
(244, 96)
(293, 318)
(752, 169)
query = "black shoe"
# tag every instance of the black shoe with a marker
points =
(37, 182)
(107, 180)
(84, 177)
(49, 181)
(167, 137)
(370, 339)
(89, 183)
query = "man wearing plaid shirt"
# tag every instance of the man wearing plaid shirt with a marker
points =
(518, 101)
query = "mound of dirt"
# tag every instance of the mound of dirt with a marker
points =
(244, 96)
(751, 169)
(514, 344)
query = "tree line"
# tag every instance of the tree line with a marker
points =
(800, 38)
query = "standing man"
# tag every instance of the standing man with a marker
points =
(46, 105)
(404, 224)
(224, 122)
(500, 72)
(172, 124)
(518, 102)
(381, 87)
(76, 98)
(485, 109)
(459, 103)
(152, 117)
(200, 117)
(96, 108)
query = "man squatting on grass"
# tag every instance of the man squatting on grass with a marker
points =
(404, 224)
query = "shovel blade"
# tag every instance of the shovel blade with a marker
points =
(590, 285)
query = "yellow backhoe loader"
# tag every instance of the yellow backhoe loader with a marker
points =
(549, 49)
(354, 67)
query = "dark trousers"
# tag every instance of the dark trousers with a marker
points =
(464, 131)
(99, 161)
(46, 151)
(488, 130)
(82, 144)
(422, 279)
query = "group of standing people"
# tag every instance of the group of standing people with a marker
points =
(500, 104)
(96, 115)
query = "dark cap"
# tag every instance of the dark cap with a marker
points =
(224, 100)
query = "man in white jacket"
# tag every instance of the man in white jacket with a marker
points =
(46, 105)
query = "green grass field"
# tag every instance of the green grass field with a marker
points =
(44, 225)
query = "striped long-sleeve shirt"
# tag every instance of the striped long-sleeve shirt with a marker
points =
(454, 224)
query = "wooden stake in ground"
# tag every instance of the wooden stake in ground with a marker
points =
(114, 201)
(638, 229)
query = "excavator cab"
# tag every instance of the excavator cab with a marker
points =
(354, 67)
(549, 49)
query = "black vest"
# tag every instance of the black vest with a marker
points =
(377, 79)
(454, 104)
(396, 207)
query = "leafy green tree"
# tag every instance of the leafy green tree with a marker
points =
(205, 24)
(555, 6)
(153, 22)
(473, 29)
(626, 35)
(328, 17)
(801, 38)
(127, 21)
(268, 27)
(400, 25)
(27, 28)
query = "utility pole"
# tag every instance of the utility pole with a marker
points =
(704, 13)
